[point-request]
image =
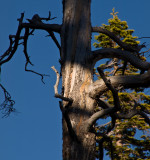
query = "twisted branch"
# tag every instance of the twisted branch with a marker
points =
(56, 87)
(117, 40)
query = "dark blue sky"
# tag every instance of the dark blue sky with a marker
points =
(34, 133)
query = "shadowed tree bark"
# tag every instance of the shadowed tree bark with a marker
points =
(80, 95)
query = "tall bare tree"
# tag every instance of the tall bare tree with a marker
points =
(80, 94)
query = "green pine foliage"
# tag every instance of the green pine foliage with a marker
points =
(120, 28)
(131, 137)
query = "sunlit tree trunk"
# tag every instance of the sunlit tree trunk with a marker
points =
(77, 74)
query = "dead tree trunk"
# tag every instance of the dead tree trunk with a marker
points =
(77, 74)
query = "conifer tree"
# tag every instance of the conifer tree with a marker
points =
(130, 139)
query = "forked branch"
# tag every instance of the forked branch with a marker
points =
(131, 81)
(111, 88)
(13, 44)
(118, 53)
(35, 23)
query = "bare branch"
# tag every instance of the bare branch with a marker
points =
(8, 105)
(103, 104)
(43, 26)
(101, 141)
(117, 40)
(129, 115)
(147, 120)
(26, 35)
(118, 53)
(97, 115)
(132, 81)
(142, 37)
(51, 34)
(37, 20)
(68, 122)
(12, 48)
(42, 75)
(35, 23)
(56, 87)
(8, 51)
(49, 17)
(110, 87)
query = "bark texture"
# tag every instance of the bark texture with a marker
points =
(76, 77)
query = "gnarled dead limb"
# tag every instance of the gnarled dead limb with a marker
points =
(29, 70)
(111, 88)
(117, 40)
(43, 26)
(56, 87)
(26, 35)
(37, 20)
(13, 44)
(118, 53)
(14, 39)
(97, 115)
(131, 81)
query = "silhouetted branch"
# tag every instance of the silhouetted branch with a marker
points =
(37, 20)
(13, 44)
(118, 53)
(49, 17)
(28, 70)
(26, 35)
(8, 104)
(35, 23)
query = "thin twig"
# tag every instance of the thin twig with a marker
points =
(42, 75)
(8, 104)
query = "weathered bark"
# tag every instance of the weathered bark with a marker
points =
(77, 74)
